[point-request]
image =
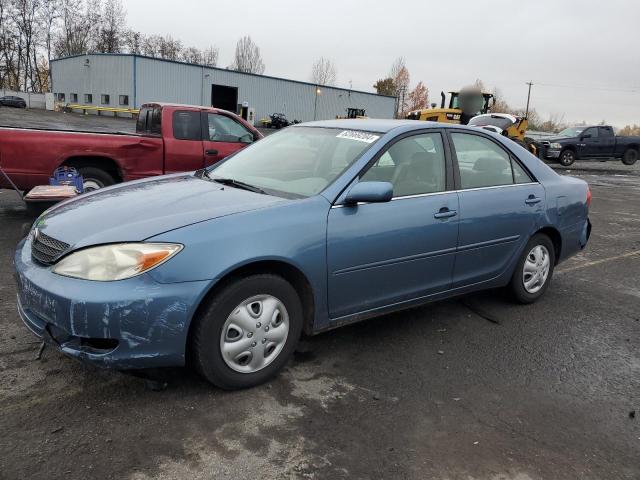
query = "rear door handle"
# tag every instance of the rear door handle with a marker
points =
(532, 200)
(211, 152)
(445, 213)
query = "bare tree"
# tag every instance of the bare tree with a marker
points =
(400, 75)
(418, 97)
(111, 29)
(323, 72)
(78, 23)
(247, 57)
(210, 56)
(132, 42)
(49, 16)
(192, 55)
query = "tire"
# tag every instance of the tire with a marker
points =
(217, 325)
(567, 157)
(630, 156)
(95, 178)
(529, 294)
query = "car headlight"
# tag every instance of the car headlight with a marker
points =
(555, 145)
(116, 261)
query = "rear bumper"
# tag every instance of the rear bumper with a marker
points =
(127, 324)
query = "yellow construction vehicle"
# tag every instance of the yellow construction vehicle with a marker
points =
(353, 113)
(463, 105)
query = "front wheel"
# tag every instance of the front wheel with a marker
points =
(534, 270)
(247, 332)
(630, 156)
(567, 157)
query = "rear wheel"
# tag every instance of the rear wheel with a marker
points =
(94, 178)
(534, 270)
(247, 332)
(630, 156)
(567, 157)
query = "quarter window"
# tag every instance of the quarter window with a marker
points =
(224, 129)
(483, 163)
(186, 125)
(414, 165)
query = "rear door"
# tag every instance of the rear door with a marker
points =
(222, 135)
(183, 151)
(500, 203)
(607, 141)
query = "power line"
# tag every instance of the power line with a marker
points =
(591, 87)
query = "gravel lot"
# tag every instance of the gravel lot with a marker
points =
(475, 388)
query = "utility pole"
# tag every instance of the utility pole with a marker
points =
(526, 114)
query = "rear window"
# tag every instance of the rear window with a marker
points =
(149, 121)
(186, 125)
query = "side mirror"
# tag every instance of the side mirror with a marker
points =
(588, 135)
(369, 192)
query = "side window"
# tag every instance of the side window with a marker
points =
(414, 165)
(224, 129)
(605, 132)
(519, 173)
(482, 162)
(186, 125)
(591, 131)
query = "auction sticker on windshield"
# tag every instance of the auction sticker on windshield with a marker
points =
(358, 135)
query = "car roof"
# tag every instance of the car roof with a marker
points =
(380, 125)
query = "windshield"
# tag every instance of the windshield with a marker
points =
(500, 122)
(296, 162)
(571, 132)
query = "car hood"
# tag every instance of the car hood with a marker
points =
(138, 210)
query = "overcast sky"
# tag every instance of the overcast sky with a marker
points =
(582, 56)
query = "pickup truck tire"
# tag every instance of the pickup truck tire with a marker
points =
(246, 332)
(630, 156)
(567, 157)
(94, 178)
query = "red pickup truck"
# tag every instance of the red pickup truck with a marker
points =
(169, 138)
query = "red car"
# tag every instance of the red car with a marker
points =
(169, 138)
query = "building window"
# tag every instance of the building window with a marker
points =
(124, 99)
(74, 98)
(104, 99)
(88, 98)
(61, 97)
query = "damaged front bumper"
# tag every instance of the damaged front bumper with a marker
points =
(126, 324)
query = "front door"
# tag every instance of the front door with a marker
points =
(379, 254)
(499, 208)
(223, 136)
(589, 143)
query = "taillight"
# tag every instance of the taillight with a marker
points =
(588, 197)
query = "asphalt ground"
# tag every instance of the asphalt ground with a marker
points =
(471, 388)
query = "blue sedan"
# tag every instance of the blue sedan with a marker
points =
(317, 226)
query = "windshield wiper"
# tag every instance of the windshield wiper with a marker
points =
(238, 184)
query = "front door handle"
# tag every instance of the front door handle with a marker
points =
(445, 213)
(211, 152)
(532, 200)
